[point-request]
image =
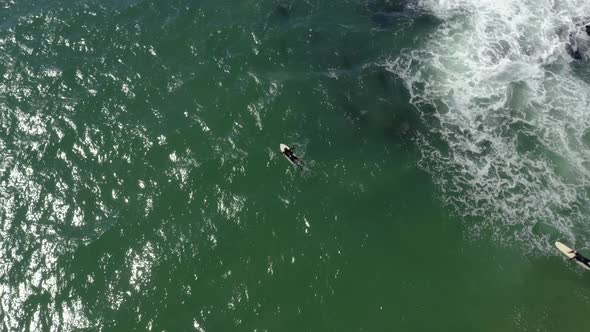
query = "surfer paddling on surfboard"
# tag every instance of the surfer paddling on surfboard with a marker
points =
(288, 152)
(573, 255)
(577, 256)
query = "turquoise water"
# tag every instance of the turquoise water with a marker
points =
(141, 186)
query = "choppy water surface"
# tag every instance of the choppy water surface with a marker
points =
(141, 186)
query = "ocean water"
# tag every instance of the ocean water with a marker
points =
(447, 146)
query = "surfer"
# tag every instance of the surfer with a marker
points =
(289, 154)
(577, 256)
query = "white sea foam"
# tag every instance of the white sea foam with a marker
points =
(506, 115)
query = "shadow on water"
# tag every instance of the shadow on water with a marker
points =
(391, 14)
(378, 103)
(342, 61)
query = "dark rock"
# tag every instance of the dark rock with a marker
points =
(282, 12)
(572, 48)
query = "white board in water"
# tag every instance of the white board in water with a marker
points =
(283, 147)
(564, 249)
(585, 263)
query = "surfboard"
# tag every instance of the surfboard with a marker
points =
(564, 249)
(567, 251)
(284, 147)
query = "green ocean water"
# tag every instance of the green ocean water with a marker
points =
(141, 186)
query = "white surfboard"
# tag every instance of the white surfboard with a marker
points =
(564, 249)
(568, 252)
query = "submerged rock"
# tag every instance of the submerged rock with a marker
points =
(576, 37)
(572, 47)
(384, 20)
(385, 13)
(282, 11)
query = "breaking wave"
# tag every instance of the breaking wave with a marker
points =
(507, 113)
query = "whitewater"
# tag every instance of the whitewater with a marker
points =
(508, 116)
